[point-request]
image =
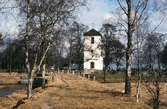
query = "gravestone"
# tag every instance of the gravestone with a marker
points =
(23, 80)
(73, 72)
(38, 83)
(88, 76)
(93, 78)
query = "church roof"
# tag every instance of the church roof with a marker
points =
(92, 32)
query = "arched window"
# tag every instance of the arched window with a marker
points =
(92, 40)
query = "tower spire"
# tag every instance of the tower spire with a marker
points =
(92, 25)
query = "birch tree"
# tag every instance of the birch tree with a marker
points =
(139, 37)
(42, 18)
(133, 11)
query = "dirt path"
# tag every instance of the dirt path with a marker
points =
(78, 92)
(46, 103)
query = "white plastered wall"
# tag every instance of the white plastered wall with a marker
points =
(93, 56)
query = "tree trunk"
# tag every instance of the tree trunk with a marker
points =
(158, 58)
(129, 50)
(43, 61)
(30, 81)
(128, 64)
(58, 64)
(70, 65)
(139, 72)
(156, 98)
(128, 79)
(43, 74)
(29, 87)
(138, 86)
(10, 65)
(104, 74)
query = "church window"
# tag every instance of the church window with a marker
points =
(92, 40)
(91, 51)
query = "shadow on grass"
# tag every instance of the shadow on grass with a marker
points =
(20, 102)
(112, 92)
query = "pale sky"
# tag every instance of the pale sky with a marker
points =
(94, 18)
(101, 9)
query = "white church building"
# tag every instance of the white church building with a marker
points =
(93, 59)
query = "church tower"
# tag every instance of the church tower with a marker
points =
(93, 59)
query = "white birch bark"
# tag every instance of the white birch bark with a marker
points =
(29, 88)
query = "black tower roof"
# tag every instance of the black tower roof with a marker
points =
(92, 32)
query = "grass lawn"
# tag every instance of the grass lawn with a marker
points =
(76, 92)
(113, 78)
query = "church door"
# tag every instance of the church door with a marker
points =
(92, 65)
